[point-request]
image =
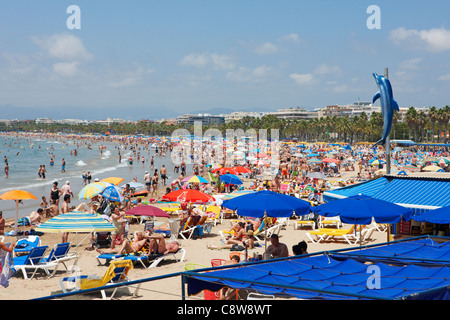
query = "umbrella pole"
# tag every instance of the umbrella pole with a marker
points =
(388, 232)
(17, 217)
(265, 235)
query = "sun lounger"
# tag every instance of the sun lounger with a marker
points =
(35, 261)
(142, 259)
(316, 236)
(60, 255)
(116, 272)
(329, 221)
(25, 245)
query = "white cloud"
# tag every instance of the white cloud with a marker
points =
(217, 61)
(325, 69)
(68, 69)
(196, 60)
(434, 40)
(244, 74)
(290, 37)
(303, 79)
(65, 47)
(266, 48)
(411, 64)
(445, 77)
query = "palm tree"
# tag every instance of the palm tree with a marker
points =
(411, 118)
(432, 116)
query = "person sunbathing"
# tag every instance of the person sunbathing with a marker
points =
(140, 239)
(159, 246)
(248, 240)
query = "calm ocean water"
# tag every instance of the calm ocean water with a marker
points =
(25, 155)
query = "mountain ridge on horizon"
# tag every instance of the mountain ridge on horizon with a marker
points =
(11, 112)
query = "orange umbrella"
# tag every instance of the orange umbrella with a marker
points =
(17, 195)
(241, 169)
(114, 180)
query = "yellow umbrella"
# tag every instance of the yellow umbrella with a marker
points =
(17, 195)
(114, 180)
(432, 168)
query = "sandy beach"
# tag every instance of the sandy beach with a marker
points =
(167, 289)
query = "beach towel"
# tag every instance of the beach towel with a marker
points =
(5, 268)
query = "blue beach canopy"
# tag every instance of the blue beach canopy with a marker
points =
(439, 216)
(273, 204)
(361, 209)
(337, 276)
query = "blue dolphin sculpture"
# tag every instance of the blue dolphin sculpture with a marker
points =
(388, 105)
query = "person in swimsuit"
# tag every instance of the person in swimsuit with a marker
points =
(159, 246)
(55, 193)
(140, 239)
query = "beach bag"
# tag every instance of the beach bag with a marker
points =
(237, 247)
(198, 232)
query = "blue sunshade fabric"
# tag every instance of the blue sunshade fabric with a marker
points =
(324, 277)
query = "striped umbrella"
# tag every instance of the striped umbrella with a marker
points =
(237, 193)
(194, 179)
(92, 189)
(76, 221)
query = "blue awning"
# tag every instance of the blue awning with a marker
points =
(326, 277)
(368, 188)
(412, 192)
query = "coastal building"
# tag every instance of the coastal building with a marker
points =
(239, 115)
(205, 118)
(295, 113)
(349, 111)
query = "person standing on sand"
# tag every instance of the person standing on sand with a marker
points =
(163, 174)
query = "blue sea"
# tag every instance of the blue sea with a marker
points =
(25, 155)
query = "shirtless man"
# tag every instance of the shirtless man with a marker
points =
(159, 246)
(140, 238)
(277, 249)
(34, 217)
(163, 172)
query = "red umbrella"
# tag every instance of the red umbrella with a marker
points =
(146, 210)
(241, 169)
(188, 195)
(329, 160)
(224, 170)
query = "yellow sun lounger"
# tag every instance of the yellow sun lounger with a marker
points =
(116, 272)
(316, 236)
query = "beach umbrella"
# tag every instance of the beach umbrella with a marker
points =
(362, 210)
(147, 210)
(133, 185)
(113, 180)
(231, 179)
(76, 222)
(188, 195)
(237, 193)
(225, 170)
(439, 216)
(316, 175)
(330, 160)
(432, 168)
(194, 179)
(444, 160)
(377, 162)
(214, 166)
(314, 160)
(263, 204)
(267, 203)
(241, 169)
(91, 190)
(17, 195)
(112, 193)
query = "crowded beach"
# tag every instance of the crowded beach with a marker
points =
(191, 227)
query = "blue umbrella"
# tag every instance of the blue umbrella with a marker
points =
(361, 209)
(231, 179)
(439, 216)
(267, 203)
(112, 193)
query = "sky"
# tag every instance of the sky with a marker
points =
(147, 59)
